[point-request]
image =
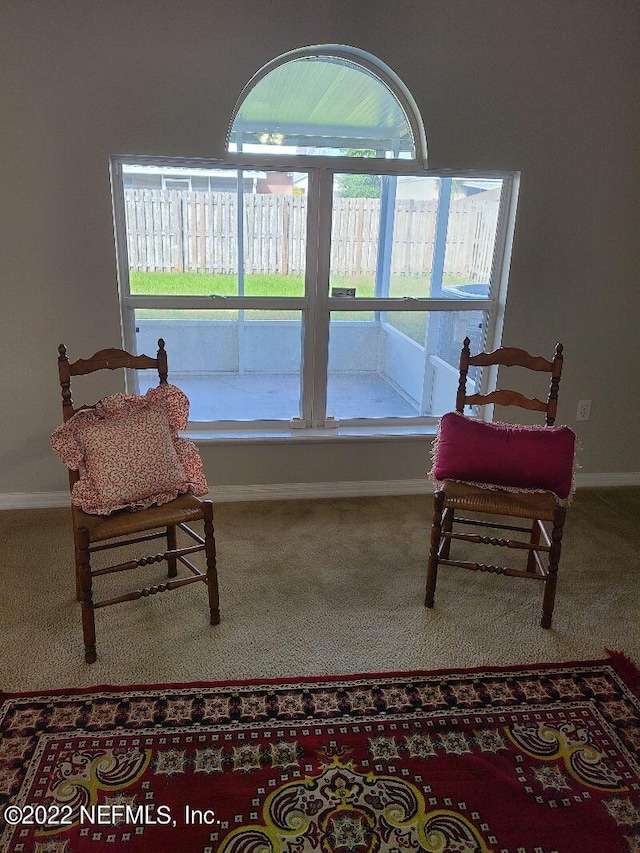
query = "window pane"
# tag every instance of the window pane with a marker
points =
(323, 105)
(233, 365)
(411, 236)
(399, 364)
(187, 242)
(273, 236)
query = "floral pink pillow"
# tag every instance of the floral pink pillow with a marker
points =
(529, 458)
(129, 453)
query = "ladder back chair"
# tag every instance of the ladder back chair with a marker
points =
(498, 470)
(93, 533)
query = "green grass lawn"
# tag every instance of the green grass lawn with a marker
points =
(204, 284)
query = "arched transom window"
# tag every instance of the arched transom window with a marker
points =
(327, 100)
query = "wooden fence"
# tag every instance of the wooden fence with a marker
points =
(180, 230)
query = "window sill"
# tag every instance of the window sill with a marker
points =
(320, 436)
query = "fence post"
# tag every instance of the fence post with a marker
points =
(184, 233)
(286, 219)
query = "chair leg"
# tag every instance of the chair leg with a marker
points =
(554, 558)
(432, 568)
(88, 619)
(534, 540)
(76, 558)
(210, 552)
(172, 543)
(447, 527)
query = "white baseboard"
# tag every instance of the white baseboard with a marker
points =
(266, 492)
(34, 500)
(583, 481)
(291, 491)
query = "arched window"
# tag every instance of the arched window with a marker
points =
(328, 100)
(318, 276)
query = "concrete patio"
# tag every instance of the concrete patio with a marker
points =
(268, 396)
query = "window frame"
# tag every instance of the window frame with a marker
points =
(316, 304)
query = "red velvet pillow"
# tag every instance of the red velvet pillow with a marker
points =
(505, 455)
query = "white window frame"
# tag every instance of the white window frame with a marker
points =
(316, 304)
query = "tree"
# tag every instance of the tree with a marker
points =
(359, 186)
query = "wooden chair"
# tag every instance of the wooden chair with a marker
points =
(93, 533)
(541, 509)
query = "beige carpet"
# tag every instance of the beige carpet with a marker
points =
(314, 588)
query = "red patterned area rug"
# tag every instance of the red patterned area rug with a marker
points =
(522, 760)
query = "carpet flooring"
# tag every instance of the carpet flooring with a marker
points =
(314, 588)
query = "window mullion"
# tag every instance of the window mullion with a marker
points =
(502, 259)
(321, 200)
(127, 314)
(307, 374)
(499, 280)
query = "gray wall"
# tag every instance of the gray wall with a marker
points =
(549, 88)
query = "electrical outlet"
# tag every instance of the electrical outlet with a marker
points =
(584, 410)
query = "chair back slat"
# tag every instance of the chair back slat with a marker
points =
(511, 357)
(111, 359)
(507, 398)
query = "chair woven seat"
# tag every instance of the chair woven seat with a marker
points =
(470, 498)
(184, 509)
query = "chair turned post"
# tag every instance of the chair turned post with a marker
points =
(556, 370)
(163, 370)
(465, 355)
(88, 617)
(432, 567)
(210, 553)
(549, 598)
(172, 544)
(64, 373)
